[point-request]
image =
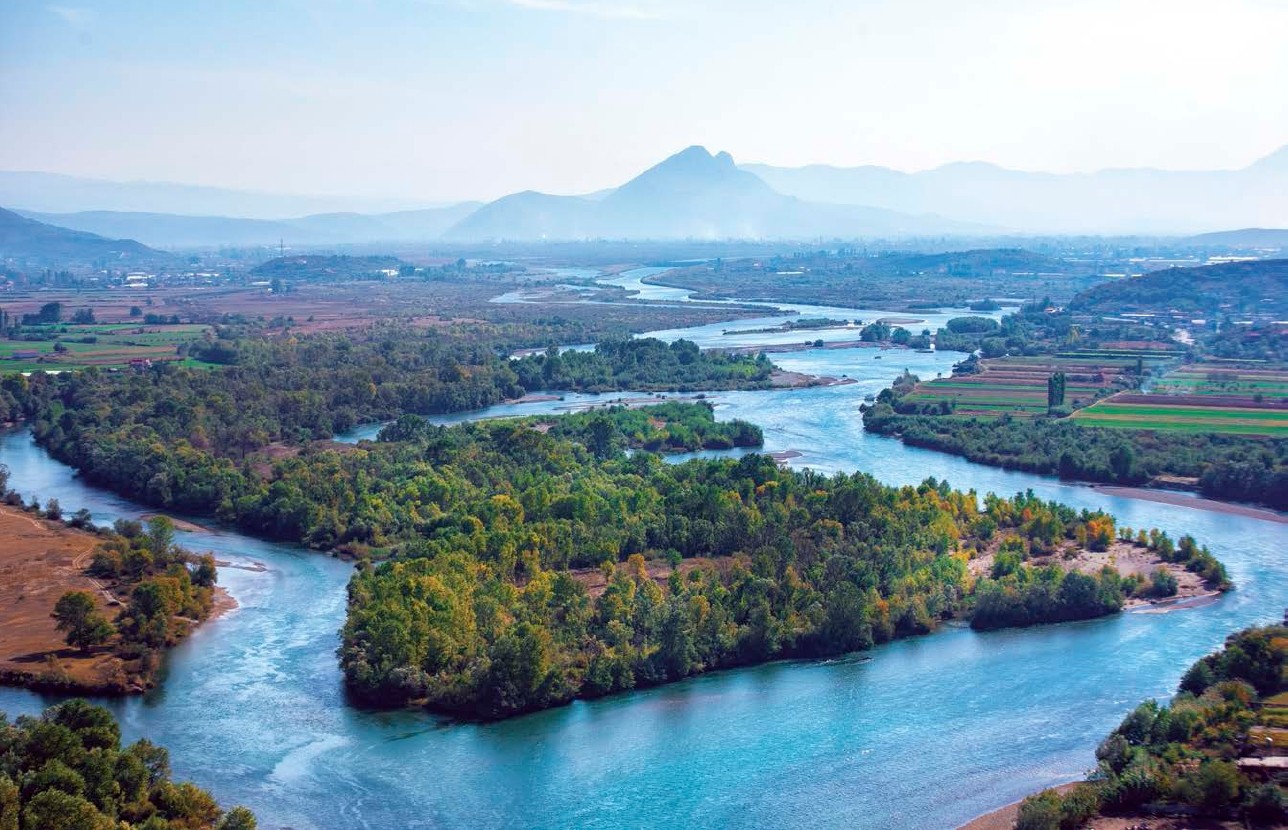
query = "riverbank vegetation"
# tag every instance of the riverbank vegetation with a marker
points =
(115, 598)
(1216, 751)
(1146, 407)
(896, 279)
(68, 769)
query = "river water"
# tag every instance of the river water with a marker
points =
(925, 734)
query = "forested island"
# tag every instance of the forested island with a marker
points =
(1214, 754)
(67, 770)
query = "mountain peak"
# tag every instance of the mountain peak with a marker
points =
(1278, 160)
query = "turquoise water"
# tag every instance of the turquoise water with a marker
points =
(925, 734)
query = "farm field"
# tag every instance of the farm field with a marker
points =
(1242, 399)
(114, 345)
(1017, 385)
(1256, 383)
(1231, 420)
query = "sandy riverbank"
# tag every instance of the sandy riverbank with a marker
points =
(1003, 818)
(1195, 502)
(1129, 559)
(179, 524)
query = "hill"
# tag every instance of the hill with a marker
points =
(691, 195)
(1248, 238)
(181, 231)
(1107, 201)
(174, 231)
(1229, 288)
(58, 193)
(35, 242)
(317, 267)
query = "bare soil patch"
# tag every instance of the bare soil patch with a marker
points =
(39, 562)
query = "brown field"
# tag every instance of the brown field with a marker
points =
(39, 562)
(356, 305)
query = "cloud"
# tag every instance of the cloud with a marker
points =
(77, 18)
(592, 8)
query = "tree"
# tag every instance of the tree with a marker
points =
(84, 624)
(1055, 391)
(238, 818)
(57, 810)
(50, 313)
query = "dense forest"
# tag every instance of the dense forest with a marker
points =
(1202, 754)
(181, 438)
(675, 569)
(67, 770)
(1231, 467)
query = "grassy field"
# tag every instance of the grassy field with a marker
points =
(1232, 420)
(1235, 398)
(1224, 380)
(1017, 385)
(113, 345)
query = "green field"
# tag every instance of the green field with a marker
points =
(1233, 420)
(115, 346)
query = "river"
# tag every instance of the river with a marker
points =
(925, 734)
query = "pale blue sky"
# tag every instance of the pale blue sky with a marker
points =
(448, 99)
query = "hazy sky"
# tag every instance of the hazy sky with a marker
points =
(446, 99)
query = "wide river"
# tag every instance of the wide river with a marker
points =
(926, 734)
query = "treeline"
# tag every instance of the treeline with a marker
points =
(1185, 757)
(180, 438)
(656, 427)
(642, 364)
(1028, 595)
(1231, 467)
(67, 770)
(667, 427)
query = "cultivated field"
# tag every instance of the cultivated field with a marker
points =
(1242, 399)
(103, 345)
(1017, 385)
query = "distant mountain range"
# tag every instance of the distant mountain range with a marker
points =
(691, 195)
(26, 240)
(1263, 238)
(58, 193)
(697, 195)
(170, 230)
(1110, 201)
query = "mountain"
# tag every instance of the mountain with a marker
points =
(1259, 287)
(692, 194)
(57, 193)
(170, 230)
(1251, 238)
(26, 239)
(1109, 201)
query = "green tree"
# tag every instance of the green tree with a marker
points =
(84, 625)
(238, 818)
(1055, 391)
